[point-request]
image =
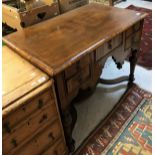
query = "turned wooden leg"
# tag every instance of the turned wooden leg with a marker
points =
(133, 61)
(69, 118)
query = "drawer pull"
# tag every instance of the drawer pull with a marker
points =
(7, 127)
(44, 117)
(51, 136)
(109, 45)
(14, 142)
(40, 103)
(56, 153)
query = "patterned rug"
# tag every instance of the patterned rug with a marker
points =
(145, 58)
(127, 130)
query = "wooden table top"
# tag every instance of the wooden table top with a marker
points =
(19, 77)
(55, 44)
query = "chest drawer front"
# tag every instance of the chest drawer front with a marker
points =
(26, 110)
(27, 128)
(58, 148)
(42, 141)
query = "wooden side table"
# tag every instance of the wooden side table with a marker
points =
(74, 47)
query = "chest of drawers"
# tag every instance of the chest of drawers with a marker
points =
(31, 122)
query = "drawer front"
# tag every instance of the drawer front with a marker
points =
(108, 46)
(99, 52)
(85, 73)
(128, 42)
(26, 110)
(137, 26)
(137, 36)
(75, 68)
(84, 61)
(59, 148)
(42, 141)
(111, 44)
(70, 71)
(117, 40)
(73, 83)
(129, 32)
(27, 128)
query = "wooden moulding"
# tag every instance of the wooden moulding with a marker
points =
(16, 19)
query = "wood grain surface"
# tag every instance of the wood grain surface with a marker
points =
(55, 44)
(19, 76)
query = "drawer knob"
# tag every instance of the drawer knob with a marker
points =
(40, 103)
(44, 117)
(14, 142)
(51, 136)
(55, 152)
(109, 45)
(7, 127)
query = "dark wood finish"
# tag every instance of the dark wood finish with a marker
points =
(114, 81)
(74, 47)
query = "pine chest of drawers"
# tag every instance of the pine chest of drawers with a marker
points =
(31, 122)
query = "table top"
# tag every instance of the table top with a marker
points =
(56, 43)
(19, 77)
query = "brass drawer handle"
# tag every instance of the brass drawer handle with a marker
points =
(109, 45)
(14, 142)
(44, 117)
(40, 103)
(51, 136)
(55, 152)
(7, 127)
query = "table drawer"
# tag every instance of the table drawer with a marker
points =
(85, 73)
(129, 32)
(27, 109)
(136, 26)
(128, 42)
(111, 44)
(137, 36)
(99, 53)
(84, 61)
(58, 148)
(70, 71)
(27, 128)
(42, 141)
(73, 83)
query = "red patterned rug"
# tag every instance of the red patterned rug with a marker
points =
(127, 130)
(145, 58)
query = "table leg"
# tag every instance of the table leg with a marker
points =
(133, 61)
(69, 119)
